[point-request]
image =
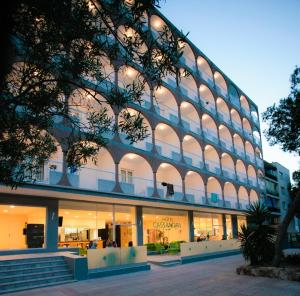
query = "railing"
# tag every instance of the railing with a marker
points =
(252, 181)
(224, 117)
(243, 204)
(195, 195)
(207, 78)
(246, 112)
(231, 201)
(207, 105)
(138, 186)
(215, 199)
(192, 159)
(242, 177)
(228, 173)
(213, 166)
(221, 91)
(189, 92)
(166, 112)
(186, 60)
(170, 80)
(237, 126)
(163, 192)
(260, 162)
(250, 158)
(191, 125)
(168, 150)
(239, 150)
(227, 145)
(145, 144)
(210, 135)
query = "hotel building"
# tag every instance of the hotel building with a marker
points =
(192, 177)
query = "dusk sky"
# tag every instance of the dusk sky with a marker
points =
(256, 43)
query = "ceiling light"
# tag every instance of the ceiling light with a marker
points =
(67, 213)
(90, 214)
(76, 217)
(5, 211)
(161, 126)
(185, 105)
(12, 206)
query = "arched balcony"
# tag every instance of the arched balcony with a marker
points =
(212, 161)
(205, 71)
(188, 57)
(188, 85)
(192, 152)
(169, 181)
(190, 118)
(252, 176)
(214, 192)
(249, 152)
(228, 166)
(98, 176)
(261, 180)
(241, 171)
(220, 84)
(230, 196)
(254, 115)
(136, 175)
(256, 137)
(223, 111)
(167, 142)
(165, 104)
(225, 137)
(82, 104)
(243, 198)
(238, 145)
(209, 129)
(258, 157)
(236, 121)
(157, 27)
(207, 99)
(253, 196)
(245, 106)
(194, 188)
(127, 76)
(247, 129)
(145, 144)
(234, 97)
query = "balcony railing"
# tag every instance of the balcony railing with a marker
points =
(242, 177)
(228, 172)
(252, 181)
(211, 135)
(168, 150)
(194, 195)
(213, 167)
(224, 117)
(189, 92)
(237, 126)
(138, 186)
(215, 199)
(230, 202)
(243, 204)
(186, 60)
(250, 158)
(163, 192)
(167, 112)
(191, 125)
(221, 91)
(207, 78)
(192, 159)
(146, 144)
(227, 145)
(239, 150)
(245, 112)
(207, 105)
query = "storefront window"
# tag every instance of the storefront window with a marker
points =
(229, 227)
(164, 226)
(207, 226)
(98, 225)
(22, 227)
(241, 220)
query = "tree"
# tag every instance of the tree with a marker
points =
(284, 129)
(57, 46)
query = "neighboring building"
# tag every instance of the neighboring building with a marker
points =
(193, 177)
(277, 181)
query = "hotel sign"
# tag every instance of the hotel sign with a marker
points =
(166, 223)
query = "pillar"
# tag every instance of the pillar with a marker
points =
(224, 227)
(191, 225)
(234, 226)
(139, 225)
(52, 225)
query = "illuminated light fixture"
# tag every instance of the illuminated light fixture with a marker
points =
(207, 147)
(130, 72)
(129, 33)
(76, 217)
(202, 87)
(157, 24)
(156, 217)
(131, 156)
(89, 96)
(5, 211)
(35, 73)
(187, 138)
(204, 117)
(12, 206)
(190, 173)
(164, 165)
(90, 214)
(160, 90)
(221, 127)
(185, 105)
(162, 127)
(67, 213)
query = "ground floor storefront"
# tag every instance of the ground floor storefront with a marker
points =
(37, 224)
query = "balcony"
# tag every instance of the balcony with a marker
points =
(194, 195)
(252, 181)
(215, 199)
(242, 177)
(224, 117)
(228, 173)
(168, 150)
(238, 127)
(193, 159)
(260, 162)
(221, 91)
(250, 158)
(210, 135)
(145, 145)
(213, 167)
(189, 92)
(191, 125)
(226, 145)
(239, 150)
(206, 77)
(138, 186)
(167, 112)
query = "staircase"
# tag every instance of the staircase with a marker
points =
(24, 274)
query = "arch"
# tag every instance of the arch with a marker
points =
(253, 196)
(214, 192)
(157, 26)
(99, 175)
(188, 57)
(165, 104)
(260, 179)
(190, 118)
(194, 188)
(212, 160)
(167, 142)
(136, 175)
(205, 70)
(258, 153)
(230, 195)
(225, 137)
(228, 166)
(236, 120)
(192, 152)
(207, 98)
(254, 115)
(256, 137)
(209, 128)
(247, 128)
(127, 76)
(223, 111)
(243, 198)
(241, 171)
(245, 105)
(233, 95)
(166, 173)
(188, 85)
(238, 145)
(252, 175)
(145, 144)
(249, 152)
(83, 103)
(220, 84)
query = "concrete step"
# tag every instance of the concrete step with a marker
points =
(33, 259)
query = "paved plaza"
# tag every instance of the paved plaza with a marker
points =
(215, 277)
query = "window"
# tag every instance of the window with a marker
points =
(284, 205)
(126, 176)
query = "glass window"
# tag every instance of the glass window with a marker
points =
(22, 227)
(164, 226)
(126, 176)
(207, 226)
(241, 220)
(229, 227)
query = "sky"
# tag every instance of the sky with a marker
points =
(256, 43)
